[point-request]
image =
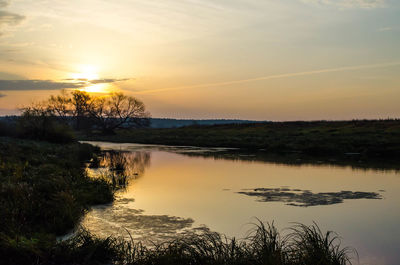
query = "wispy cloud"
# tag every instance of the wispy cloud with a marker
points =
(321, 71)
(8, 18)
(4, 3)
(34, 84)
(98, 81)
(385, 29)
(10, 85)
(348, 3)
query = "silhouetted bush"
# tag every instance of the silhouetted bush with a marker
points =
(39, 126)
(7, 129)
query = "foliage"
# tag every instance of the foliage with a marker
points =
(38, 122)
(44, 188)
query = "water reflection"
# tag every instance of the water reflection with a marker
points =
(186, 187)
(123, 219)
(119, 167)
(353, 160)
(296, 159)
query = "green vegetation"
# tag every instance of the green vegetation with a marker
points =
(44, 191)
(36, 125)
(375, 139)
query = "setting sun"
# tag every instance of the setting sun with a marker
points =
(87, 71)
(98, 88)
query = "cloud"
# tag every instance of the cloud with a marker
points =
(108, 80)
(11, 19)
(8, 18)
(34, 84)
(4, 3)
(269, 77)
(385, 29)
(348, 3)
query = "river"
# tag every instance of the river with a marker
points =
(176, 189)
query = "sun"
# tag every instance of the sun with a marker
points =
(86, 72)
(98, 88)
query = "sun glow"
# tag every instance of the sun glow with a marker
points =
(98, 88)
(87, 72)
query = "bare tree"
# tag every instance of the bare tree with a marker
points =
(84, 111)
(61, 106)
(118, 111)
(80, 101)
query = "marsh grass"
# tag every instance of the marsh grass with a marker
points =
(44, 192)
(264, 245)
(309, 245)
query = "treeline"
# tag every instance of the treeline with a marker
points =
(56, 118)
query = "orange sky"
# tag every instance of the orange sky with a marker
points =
(248, 59)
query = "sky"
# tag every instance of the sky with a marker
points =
(245, 59)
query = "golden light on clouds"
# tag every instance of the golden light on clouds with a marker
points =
(90, 72)
(273, 60)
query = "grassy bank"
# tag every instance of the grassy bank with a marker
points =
(44, 191)
(367, 138)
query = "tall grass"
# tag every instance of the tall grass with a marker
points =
(309, 245)
(304, 245)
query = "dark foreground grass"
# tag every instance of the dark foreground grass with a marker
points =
(44, 191)
(377, 139)
(304, 245)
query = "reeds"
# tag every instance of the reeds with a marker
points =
(304, 245)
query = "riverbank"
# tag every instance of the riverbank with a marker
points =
(44, 192)
(372, 141)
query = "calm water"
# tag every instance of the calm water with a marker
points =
(175, 189)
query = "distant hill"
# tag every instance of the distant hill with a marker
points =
(169, 123)
(176, 123)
